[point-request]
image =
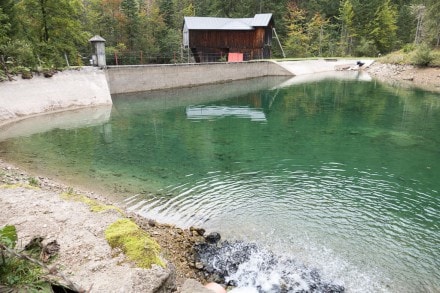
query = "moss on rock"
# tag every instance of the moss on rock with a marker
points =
(137, 245)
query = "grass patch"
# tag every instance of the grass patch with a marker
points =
(137, 245)
(17, 274)
(414, 55)
(22, 275)
(34, 182)
(94, 205)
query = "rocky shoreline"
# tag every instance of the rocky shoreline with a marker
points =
(35, 206)
(409, 76)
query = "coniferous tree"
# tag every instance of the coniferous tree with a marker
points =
(5, 27)
(384, 27)
(130, 8)
(296, 43)
(433, 22)
(347, 18)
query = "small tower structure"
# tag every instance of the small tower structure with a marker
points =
(98, 59)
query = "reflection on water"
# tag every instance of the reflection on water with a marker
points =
(210, 112)
(343, 174)
(64, 120)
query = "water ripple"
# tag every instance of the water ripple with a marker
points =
(365, 210)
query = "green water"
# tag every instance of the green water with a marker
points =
(343, 174)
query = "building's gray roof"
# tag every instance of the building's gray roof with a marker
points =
(261, 19)
(217, 23)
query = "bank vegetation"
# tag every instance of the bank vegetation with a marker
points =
(41, 36)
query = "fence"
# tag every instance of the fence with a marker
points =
(141, 57)
(184, 56)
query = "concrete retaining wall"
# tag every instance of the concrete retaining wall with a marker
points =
(65, 90)
(128, 79)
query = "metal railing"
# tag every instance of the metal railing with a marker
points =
(184, 56)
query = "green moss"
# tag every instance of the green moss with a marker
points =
(137, 245)
(94, 205)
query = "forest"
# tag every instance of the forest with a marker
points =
(55, 33)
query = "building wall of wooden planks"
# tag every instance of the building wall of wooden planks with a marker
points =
(214, 45)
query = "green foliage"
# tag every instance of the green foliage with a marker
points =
(436, 58)
(131, 10)
(137, 245)
(397, 57)
(408, 48)
(34, 181)
(423, 56)
(53, 27)
(405, 25)
(346, 17)
(366, 48)
(297, 39)
(39, 33)
(22, 275)
(17, 273)
(8, 236)
(5, 27)
(383, 30)
(20, 53)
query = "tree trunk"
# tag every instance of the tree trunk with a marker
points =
(44, 19)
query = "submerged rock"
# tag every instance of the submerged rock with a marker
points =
(246, 265)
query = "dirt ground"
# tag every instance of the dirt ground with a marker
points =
(85, 257)
(427, 78)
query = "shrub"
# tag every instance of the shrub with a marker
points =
(408, 48)
(365, 48)
(18, 275)
(19, 53)
(423, 56)
(435, 58)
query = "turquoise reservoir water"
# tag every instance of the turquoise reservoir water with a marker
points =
(343, 175)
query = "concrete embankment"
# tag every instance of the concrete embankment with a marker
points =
(128, 79)
(69, 89)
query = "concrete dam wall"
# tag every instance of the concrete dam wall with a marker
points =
(66, 90)
(129, 79)
(91, 86)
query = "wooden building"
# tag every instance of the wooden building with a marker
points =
(212, 39)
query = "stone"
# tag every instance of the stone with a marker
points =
(213, 237)
(199, 231)
(193, 286)
(155, 280)
(152, 223)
